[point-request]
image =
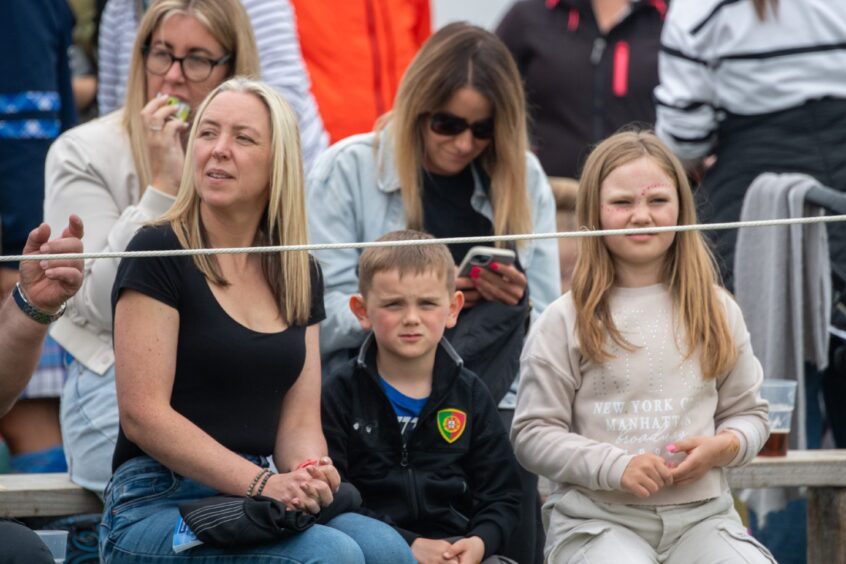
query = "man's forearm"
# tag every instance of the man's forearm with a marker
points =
(20, 347)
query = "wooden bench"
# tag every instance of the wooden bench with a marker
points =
(823, 472)
(44, 495)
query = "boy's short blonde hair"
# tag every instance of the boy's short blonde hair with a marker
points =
(408, 259)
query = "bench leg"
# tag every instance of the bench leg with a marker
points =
(827, 525)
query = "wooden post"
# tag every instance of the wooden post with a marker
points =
(827, 525)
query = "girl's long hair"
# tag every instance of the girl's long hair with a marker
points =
(462, 55)
(284, 220)
(689, 270)
(228, 24)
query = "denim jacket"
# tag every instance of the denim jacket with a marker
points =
(353, 195)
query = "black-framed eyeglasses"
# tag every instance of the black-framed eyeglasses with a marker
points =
(445, 123)
(195, 68)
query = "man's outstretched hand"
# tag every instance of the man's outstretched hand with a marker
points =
(48, 284)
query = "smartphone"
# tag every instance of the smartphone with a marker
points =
(483, 257)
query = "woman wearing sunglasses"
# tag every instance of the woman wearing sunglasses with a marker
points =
(450, 159)
(119, 172)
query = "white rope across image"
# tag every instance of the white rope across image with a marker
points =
(446, 240)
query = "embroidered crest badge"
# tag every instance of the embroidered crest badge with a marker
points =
(451, 424)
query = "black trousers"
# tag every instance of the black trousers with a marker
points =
(20, 545)
(810, 139)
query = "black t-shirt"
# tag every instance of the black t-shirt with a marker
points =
(230, 380)
(447, 211)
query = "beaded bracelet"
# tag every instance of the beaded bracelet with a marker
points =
(263, 483)
(256, 480)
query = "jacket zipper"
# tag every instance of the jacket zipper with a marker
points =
(411, 482)
(598, 87)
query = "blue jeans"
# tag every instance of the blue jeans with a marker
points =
(89, 419)
(141, 510)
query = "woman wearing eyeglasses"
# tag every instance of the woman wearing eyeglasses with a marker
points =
(119, 172)
(450, 159)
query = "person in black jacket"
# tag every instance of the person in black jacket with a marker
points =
(417, 433)
(589, 69)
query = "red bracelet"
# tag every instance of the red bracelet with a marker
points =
(306, 463)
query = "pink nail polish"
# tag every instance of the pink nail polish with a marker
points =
(474, 272)
(494, 266)
(671, 449)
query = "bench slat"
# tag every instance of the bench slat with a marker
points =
(813, 468)
(38, 495)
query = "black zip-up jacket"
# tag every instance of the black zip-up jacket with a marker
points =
(581, 85)
(429, 487)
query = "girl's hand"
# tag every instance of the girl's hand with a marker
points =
(645, 475)
(297, 490)
(469, 550)
(503, 283)
(164, 144)
(432, 551)
(703, 453)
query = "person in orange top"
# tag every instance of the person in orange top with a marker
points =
(356, 53)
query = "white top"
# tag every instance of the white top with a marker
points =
(717, 57)
(90, 172)
(282, 66)
(580, 423)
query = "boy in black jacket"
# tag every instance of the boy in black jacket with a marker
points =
(417, 433)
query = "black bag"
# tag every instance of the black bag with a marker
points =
(228, 521)
(489, 338)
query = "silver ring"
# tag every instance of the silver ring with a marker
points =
(156, 127)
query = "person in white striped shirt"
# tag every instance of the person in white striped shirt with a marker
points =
(758, 84)
(282, 66)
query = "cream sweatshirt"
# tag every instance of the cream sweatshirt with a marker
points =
(580, 423)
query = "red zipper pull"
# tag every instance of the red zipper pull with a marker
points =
(573, 19)
(620, 84)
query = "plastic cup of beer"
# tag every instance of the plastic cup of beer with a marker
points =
(57, 542)
(781, 395)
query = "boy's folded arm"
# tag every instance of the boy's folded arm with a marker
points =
(492, 536)
(492, 475)
(542, 432)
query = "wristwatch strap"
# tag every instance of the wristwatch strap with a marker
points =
(32, 311)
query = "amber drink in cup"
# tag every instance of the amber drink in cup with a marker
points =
(781, 395)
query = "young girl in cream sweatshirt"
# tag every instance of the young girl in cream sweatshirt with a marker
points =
(639, 386)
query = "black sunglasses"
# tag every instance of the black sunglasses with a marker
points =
(444, 123)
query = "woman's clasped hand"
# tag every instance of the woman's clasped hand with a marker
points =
(309, 488)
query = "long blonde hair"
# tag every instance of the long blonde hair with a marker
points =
(284, 220)
(462, 55)
(227, 22)
(689, 270)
